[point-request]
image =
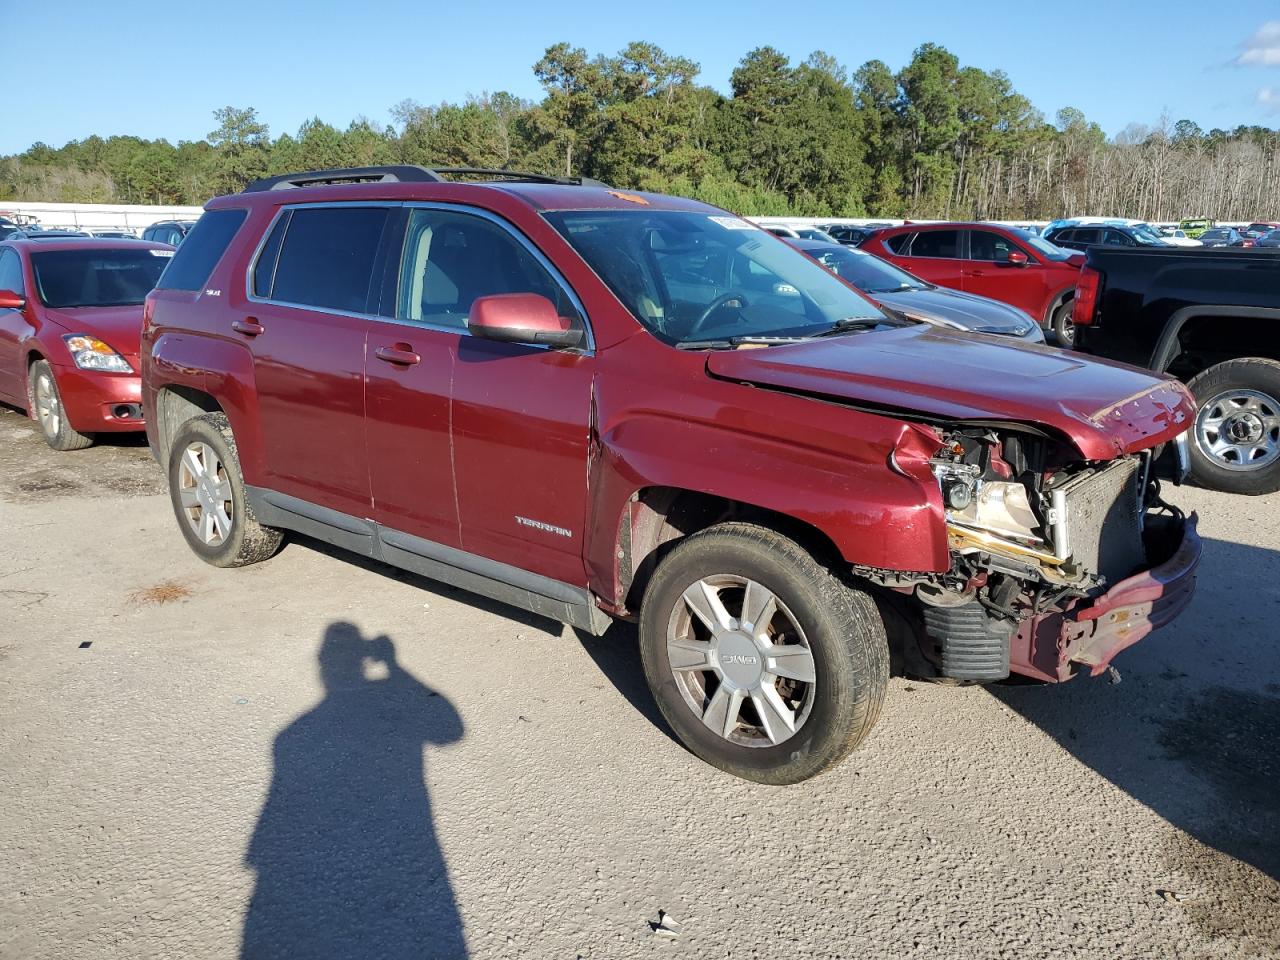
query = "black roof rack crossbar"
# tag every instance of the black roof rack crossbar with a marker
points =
(401, 173)
(517, 175)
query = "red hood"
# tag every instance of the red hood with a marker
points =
(119, 327)
(1104, 408)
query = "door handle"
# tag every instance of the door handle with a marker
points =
(401, 354)
(248, 326)
(973, 273)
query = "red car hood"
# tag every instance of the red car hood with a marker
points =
(1104, 408)
(119, 327)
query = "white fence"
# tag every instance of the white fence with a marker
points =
(96, 216)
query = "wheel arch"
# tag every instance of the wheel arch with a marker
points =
(1184, 334)
(1056, 301)
(175, 405)
(658, 517)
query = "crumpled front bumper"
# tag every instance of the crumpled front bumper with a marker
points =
(1055, 646)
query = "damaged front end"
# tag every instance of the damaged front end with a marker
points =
(1057, 564)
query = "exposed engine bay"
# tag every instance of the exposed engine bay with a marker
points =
(1032, 531)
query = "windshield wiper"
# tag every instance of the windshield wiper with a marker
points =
(728, 342)
(851, 324)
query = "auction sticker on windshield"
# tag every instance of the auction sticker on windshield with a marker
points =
(733, 223)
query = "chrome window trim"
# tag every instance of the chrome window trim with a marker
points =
(509, 228)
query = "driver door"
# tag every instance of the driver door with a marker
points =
(13, 329)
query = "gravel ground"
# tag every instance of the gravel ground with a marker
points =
(311, 758)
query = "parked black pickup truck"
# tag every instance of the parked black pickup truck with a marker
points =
(1211, 318)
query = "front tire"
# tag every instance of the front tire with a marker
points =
(1064, 331)
(1235, 442)
(48, 411)
(207, 491)
(763, 663)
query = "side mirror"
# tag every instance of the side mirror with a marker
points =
(11, 301)
(1017, 259)
(521, 318)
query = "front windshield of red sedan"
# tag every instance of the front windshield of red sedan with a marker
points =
(97, 277)
(697, 277)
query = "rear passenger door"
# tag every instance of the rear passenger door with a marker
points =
(306, 324)
(936, 256)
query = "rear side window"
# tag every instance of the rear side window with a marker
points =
(199, 254)
(264, 270)
(898, 243)
(326, 257)
(937, 243)
(1086, 236)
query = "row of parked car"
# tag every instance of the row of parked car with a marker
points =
(163, 231)
(790, 485)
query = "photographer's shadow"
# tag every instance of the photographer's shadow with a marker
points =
(345, 851)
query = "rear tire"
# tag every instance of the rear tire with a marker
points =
(1064, 331)
(803, 657)
(47, 410)
(207, 491)
(1235, 441)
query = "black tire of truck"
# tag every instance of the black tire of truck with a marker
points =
(1254, 380)
(204, 476)
(840, 625)
(1064, 331)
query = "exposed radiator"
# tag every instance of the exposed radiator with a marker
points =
(1099, 515)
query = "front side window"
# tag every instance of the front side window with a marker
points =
(11, 272)
(326, 257)
(944, 244)
(692, 277)
(986, 245)
(451, 259)
(96, 278)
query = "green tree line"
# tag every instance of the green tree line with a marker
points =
(933, 140)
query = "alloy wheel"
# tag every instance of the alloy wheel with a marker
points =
(741, 661)
(1240, 429)
(204, 490)
(48, 404)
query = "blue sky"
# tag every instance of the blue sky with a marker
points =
(159, 69)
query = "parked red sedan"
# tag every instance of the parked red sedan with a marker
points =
(70, 322)
(994, 261)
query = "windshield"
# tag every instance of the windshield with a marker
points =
(691, 277)
(816, 233)
(96, 278)
(1041, 246)
(869, 274)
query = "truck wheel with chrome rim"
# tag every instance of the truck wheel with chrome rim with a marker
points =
(47, 410)
(1235, 440)
(763, 663)
(207, 492)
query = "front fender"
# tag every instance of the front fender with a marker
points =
(876, 514)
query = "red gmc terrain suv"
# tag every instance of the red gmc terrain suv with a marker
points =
(596, 404)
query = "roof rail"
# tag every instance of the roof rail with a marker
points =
(517, 175)
(401, 173)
